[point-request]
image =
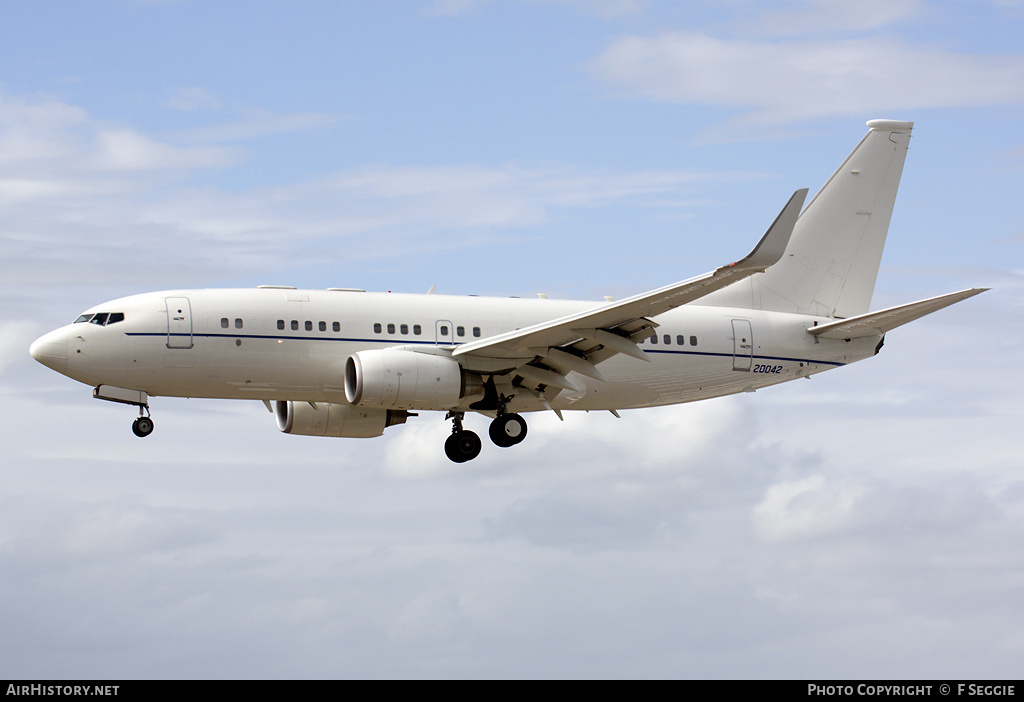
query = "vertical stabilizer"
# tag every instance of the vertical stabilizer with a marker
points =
(832, 261)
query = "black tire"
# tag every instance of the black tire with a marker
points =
(462, 446)
(142, 427)
(507, 430)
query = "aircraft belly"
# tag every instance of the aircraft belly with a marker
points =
(673, 378)
(667, 380)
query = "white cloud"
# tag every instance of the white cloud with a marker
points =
(770, 82)
(760, 535)
(805, 508)
(191, 100)
(608, 9)
(255, 124)
(44, 142)
(37, 131)
(15, 338)
(603, 8)
(124, 150)
(78, 192)
(818, 17)
(455, 8)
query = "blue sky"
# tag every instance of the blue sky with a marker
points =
(864, 524)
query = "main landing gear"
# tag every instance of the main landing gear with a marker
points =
(507, 430)
(464, 445)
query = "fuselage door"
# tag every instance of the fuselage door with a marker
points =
(179, 323)
(443, 331)
(742, 345)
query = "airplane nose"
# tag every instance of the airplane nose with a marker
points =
(51, 350)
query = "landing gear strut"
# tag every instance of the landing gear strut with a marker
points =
(463, 445)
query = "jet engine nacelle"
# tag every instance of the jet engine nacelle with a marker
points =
(327, 419)
(405, 379)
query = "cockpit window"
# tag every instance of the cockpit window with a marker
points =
(101, 318)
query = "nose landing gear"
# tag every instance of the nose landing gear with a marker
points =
(142, 427)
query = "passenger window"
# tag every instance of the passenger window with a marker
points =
(336, 326)
(417, 329)
(667, 339)
(323, 326)
(280, 324)
(654, 339)
(115, 317)
(295, 325)
(404, 329)
(461, 331)
(444, 330)
(681, 340)
(376, 328)
(693, 341)
(309, 325)
(224, 324)
(476, 332)
(391, 329)
(238, 323)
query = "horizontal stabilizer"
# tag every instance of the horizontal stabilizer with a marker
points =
(875, 323)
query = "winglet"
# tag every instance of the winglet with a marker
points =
(773, 244)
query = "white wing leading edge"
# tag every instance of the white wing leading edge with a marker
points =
(579, 341)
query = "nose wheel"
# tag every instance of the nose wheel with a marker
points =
(142, 427)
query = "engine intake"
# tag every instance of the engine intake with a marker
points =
(405, 379)
(328, 419)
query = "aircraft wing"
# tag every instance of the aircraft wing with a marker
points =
(875, 323)
(578, 341)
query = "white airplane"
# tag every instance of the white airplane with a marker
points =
(348, 363)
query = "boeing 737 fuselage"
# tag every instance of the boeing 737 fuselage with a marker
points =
(349, 363)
